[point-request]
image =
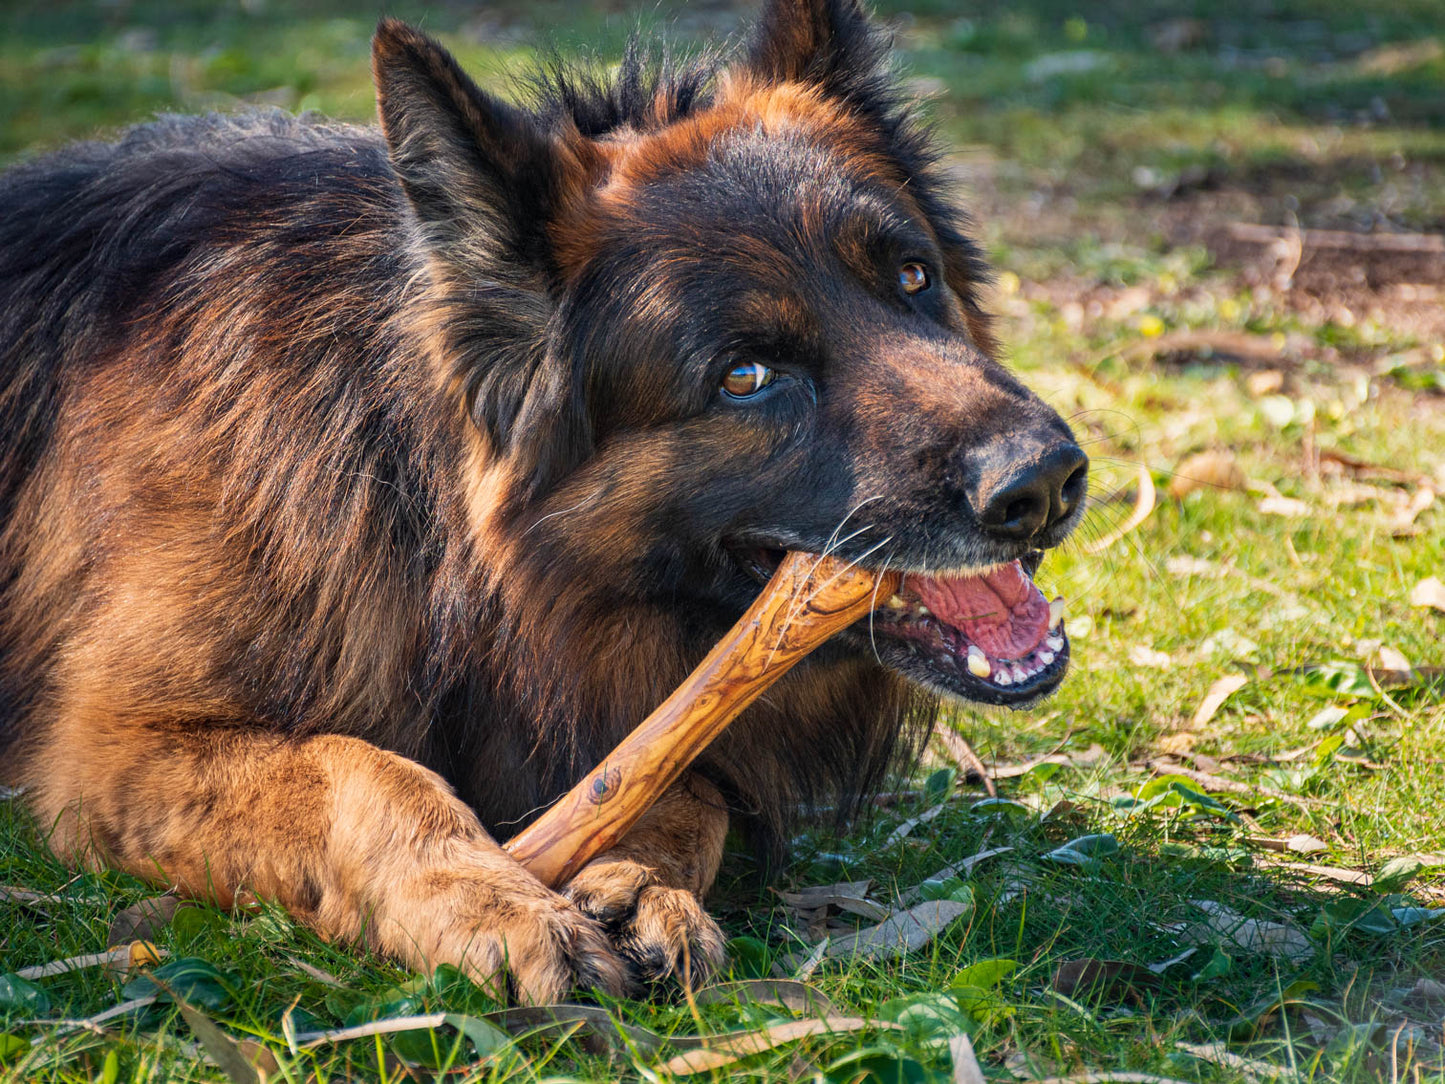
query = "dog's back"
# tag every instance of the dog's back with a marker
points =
(207, 298)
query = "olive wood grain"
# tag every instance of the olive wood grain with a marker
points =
(808, 599)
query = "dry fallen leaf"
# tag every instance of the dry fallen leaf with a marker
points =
(1430, 593)
(966, 1069)
(1218, 693)
(1109, 980)
(1220, 1054)
(1289, 507)
(901, 933)
(142, 921)
(136, 954)
(858, 905)
(1144, 655)
(789, 993)
(1207, 470)
(1178, 744)
(723, 1050)
(1251, 934)
(1402, 524)
(1392, 660)
(911, 823)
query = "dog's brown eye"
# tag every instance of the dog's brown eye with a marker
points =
(747, 379)
(913, 277)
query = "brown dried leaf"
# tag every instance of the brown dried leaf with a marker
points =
(1429, 593)
(1111, 980)
(1288, 507)
(966, 1069)
(903, 830)
(142, 921)
(136, 954)
(1218, 693)
(1206, 470)
(1219, 1054)
(789, 993)
(1178, 744)
(1144, 655)
(722, 1050)
(901, 933)
(1251, 934)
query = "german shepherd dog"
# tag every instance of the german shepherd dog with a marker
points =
(360, 489)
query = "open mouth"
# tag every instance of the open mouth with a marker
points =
(988, 636)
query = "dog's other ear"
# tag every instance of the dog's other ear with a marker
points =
(478, 171)
(828, 43)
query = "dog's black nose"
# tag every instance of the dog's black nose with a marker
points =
(1019, 503)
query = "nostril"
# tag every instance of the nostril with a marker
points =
(1020, 511)
(1032, 496)
(1074, 490)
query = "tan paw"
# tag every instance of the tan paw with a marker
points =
(536, 948)
(661, 932)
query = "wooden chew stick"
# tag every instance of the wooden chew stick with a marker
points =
(808, 599)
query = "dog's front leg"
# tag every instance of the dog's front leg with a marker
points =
(647, 891)
(361, 844)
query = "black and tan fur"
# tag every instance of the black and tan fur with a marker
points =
(359, 488)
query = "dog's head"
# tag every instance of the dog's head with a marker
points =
(700, 315)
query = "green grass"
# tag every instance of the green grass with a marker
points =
(1281, 104)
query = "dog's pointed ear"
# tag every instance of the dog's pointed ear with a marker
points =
(485, 179)
(473, 166)
(830, 44)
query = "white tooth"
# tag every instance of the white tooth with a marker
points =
(1046, 657)
(1054, 643)
(978, 663)
(1020, 676)
(1056, 612)
(1002, 677)
(896, 603)
(925, 611)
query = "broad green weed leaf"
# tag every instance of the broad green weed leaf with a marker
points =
(985, 973)
(394, 1002)
(189, 923)
(1245, 1026)
(196, 980)
(749, 958)
(1001, 807)
(1347, 914)
(877, 1067)
(939, 784)
(929, 1017)
(948, 888)
(21, 996)
(1219, 964)
(1084, 851)
(1397, 873)
(12, 1048)
(1413, 916)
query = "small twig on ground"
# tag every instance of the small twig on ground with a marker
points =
(962, 754)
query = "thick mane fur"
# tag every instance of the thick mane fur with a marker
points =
(236, 308)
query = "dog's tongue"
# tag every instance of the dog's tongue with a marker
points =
(1001, 611)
